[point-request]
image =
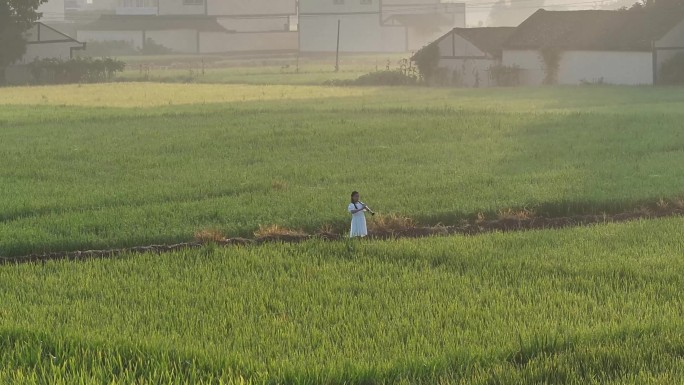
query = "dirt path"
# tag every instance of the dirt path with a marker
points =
(472, 227)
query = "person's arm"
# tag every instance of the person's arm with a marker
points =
(355, 210)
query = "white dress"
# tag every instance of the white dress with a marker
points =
(358, 224)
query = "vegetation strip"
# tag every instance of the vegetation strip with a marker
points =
(388, 227)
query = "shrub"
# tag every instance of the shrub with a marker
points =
(672, 71)
(151, 47)
(79, 70)
(427, 61)
(504, 76)
(387, 78)
(110, 48)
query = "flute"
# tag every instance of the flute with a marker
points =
(367, 208)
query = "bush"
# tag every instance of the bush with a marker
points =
(387, 78)
(505, 76)
(110, 48)
(153, 48)
(79, 70)
(672, 71)
(427, 61)
(124, 48)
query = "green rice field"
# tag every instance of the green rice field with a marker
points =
(106, 166)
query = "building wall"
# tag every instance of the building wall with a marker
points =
(328, 6)
(627, 68)
(53, 10)
(220, 42)
(177, 7)
(462, 64)
(455, 45)
(674, 39)
(373, 29)
(358, 33)
(578, 67)
(467, 72)
(530, 65)
(180, 41)
(251, 7)
(261, 24)
(134, 37)
(47, 51)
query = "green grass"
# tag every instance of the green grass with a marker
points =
(120, 165)
(285, 69)
(577, 306)
(98, 166)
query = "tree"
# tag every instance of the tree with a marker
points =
(16, 17)
(659, 5)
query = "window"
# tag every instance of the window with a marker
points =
(193, 2)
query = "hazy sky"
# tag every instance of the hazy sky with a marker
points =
(479, 10)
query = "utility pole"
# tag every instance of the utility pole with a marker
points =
(337, 56)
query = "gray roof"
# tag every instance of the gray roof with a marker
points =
(593, 30)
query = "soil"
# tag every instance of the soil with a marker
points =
(471, 227)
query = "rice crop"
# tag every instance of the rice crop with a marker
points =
(574, 306)
(116, 165)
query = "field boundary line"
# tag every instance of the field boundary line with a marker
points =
(473, 227)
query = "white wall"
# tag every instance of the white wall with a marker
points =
(675, 38)
(47, 51)
(328, 6)
(577, 67)
(455, 45)
(181, 40)
(251, 7)
(262, 24)
(53, 10)
(134, 37)
(220, 42)
(628, 68)
(530, 64)
(468, 72)
(464, 64)
(176, 7)
(359, 33)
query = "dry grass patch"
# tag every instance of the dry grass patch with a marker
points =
(390, 224)
(278, 185)
(209, 235)
(275, 231)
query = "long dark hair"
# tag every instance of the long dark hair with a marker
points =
(352, 198)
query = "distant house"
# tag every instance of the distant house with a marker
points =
(467, 56)
(575, 47)
(52, 11)
(375, 25)
(200, 26)
(182, 34)
(42, 42)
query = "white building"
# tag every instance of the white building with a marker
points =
(375, 25)
(468, 57)
(52, 11)
(200, 26)
(42, 42)
(577, 47)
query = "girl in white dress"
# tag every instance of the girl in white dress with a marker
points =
(358, 223)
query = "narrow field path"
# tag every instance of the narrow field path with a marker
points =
(388, 230)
